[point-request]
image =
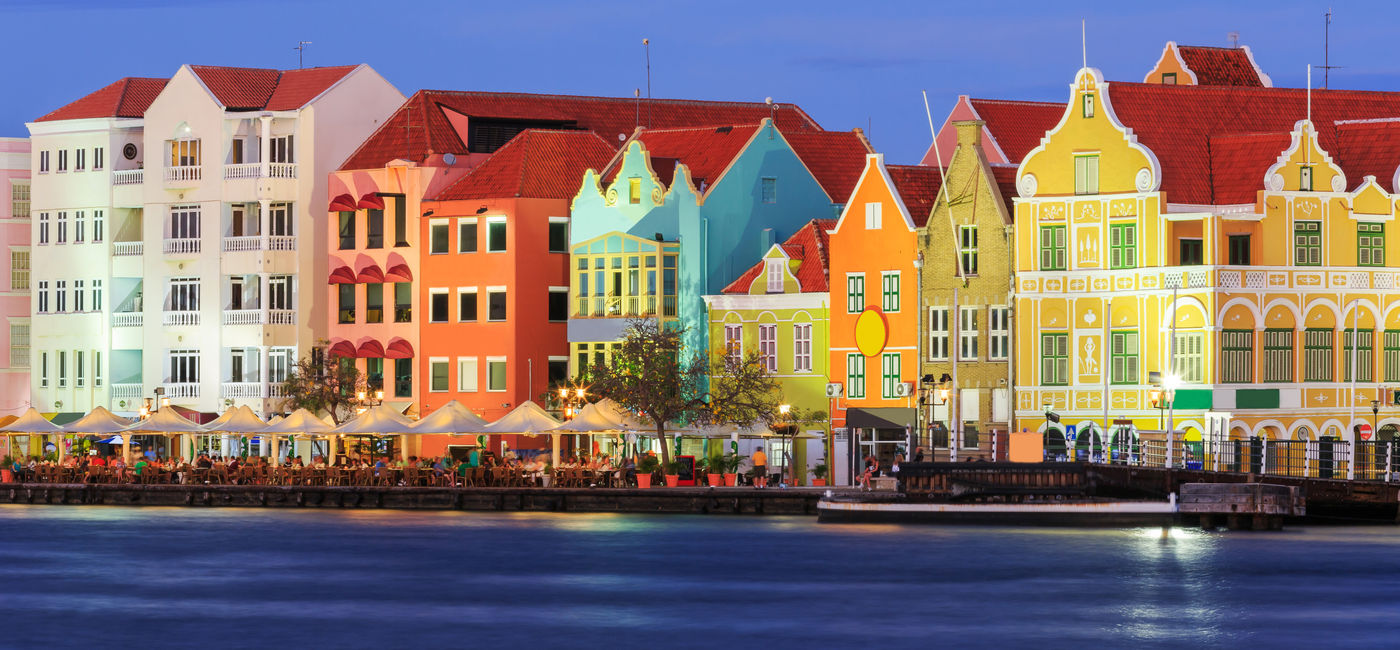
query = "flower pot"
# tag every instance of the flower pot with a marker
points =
(672, 480)
(715, 480)
(818, 482)
(7, 476)
(731, 480)
(644, 481)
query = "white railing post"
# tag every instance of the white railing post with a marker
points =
(1307, 457)
(1351, 460)
(1263, 456)
(1389, 454)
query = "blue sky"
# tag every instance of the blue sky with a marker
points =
(847, 63)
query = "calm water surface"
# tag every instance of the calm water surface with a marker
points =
(116, 577)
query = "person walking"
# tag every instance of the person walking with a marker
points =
(760, 468)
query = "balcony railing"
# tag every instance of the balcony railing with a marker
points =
(128, 176)
(242, 243)
(175, 318)
(126, 248)
(282, 243)
(126, 391)
(281, 317)
(181, 390)
(282, 170)
(181, 246)
(242, 170)
(179, 174)
(127, 319)
(252, 390)
(242, 316)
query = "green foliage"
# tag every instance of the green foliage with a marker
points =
(731, 462)
(648, 465)
(324, 383)
(819, 470)
(674, 467)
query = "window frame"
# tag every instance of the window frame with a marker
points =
(445, 364)
(855, 375)
(967, 252)
(474, 302)
(1370, 244)
(1086, 174)
(891, 374)
(1125, 367)
(1236, 356)
(1058, 248)
(1122, 245)
(1056, 360)
(1314, 353)
(1271, 351)
(1307, 230)
(855, 293)
(938, 333)
(802, 347)
(505, 370)
(969, 333)
(491, 229)
(890, 291)
(433, 316)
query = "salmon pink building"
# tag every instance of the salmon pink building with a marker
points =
(14, 291)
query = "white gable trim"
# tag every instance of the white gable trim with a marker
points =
(1176, 54)
(877, 161)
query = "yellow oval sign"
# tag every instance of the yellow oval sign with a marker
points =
(871, 332)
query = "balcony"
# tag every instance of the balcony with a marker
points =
(180, 318)
(181, 246)
(282, 243)
(251, 390)
(242, 170)
(186, 174)
(282, 170)
(128, 176)
(128, 248)
(127, 319)
(255, 317)
(243, 243)
(182, 390)
(126, 391)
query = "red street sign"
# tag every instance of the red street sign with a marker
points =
(1365, 430)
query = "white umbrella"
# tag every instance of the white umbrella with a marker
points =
(166, 420)
(32, 422)
(103, 422)
(381, 420)
(300, 422)
(528, 418)
(451, 417)
(237, 420)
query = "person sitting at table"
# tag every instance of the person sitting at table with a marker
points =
(317, 461)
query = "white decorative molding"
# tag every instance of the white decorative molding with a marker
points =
(1274, 182)
(1339, 184)
(1027, 186)
(1143, 181)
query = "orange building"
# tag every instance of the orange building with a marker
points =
(874, 313)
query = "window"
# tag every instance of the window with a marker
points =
(99, 231)
(374, 228)
(280, 149)
(97, 366)
(347, 303)
(558, 235)
(1278, 355)
(97, 295)
(466, 235)
(1124, 357)
(347, 231)
(999, 334)
(78, 296)
(403, 302)
(889, 375)
(1362, 353)
(99, 158)
(403, 377)
(558, 304)
(1317, 355)
(1122, 245)
(235, 151)
(1236, 356)
(1053, 248)
(43, 228)
(802, 347)
(62, 160)
(400, 221)
(79, 160)
(466, 304)
(1169, 78)
(775, 275)
(1088, 106)
(79, 365)
(938, 333)
(279, 292)
(60, 296)
(967, 333)
(19, 269)
(437, 375)
(467, 374)
(79, 227)
(43, 370)
(374, 302)
(43, 163)
(872, 215)
(855, 293)
(1054, 359)
(19, 345)
(1390, 341)
(19, 200)
(43, 297)
(889, 291)
(496, 304)
(184, 153)
(557, 369)
(437, 305)
(1239, 250)
(62, 227)
(768, 191)
(1191, 251)
(1305, 176)
(855, 375)
(1370, 244)
(62, 368)
(1189, 361)
(184, 222)
(634, 191)
(496, 235)
(1086, 174)
(768, 347)
(734, 342)
(496, 374)
(967, 249)
(437, 237)
(1307, 243)
(184, 367)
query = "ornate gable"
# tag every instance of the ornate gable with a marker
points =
(1305, 166)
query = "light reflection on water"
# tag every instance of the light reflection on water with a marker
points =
(264, 577)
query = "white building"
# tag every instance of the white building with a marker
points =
(199, 275)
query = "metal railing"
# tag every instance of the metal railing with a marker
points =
(1373, 460)
(128, 176)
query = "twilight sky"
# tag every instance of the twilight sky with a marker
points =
(847, 63)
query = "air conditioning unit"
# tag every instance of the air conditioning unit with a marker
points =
(833, 390)
(904, 389)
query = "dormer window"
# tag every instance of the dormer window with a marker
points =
(1305, 179)
(775, 276)
(1088, 104)
(1169, 78)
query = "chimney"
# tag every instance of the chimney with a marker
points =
(969, 132)
(860, 133)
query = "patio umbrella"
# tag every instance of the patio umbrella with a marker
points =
(451, 417)
(381, 420)
(528, 419)
(32, 422)
(241, 421)
(100, 421)
(300, 422)
(166, 421)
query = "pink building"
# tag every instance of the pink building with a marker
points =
(14, 286)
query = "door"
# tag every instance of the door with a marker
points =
(1325, 462)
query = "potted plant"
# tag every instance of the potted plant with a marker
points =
(714, 470)
(645, 469)
(7, 474)
(673, 472)
(731, 468)
(819, 474)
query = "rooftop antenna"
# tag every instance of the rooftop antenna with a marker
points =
(637, 104)
(1327, 48)
(1083, 42)
(1234, 38)
(646, 44)
(772, 113)
(942, 186)
(301, 50)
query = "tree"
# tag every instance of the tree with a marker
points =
(652, 374)
(323, 382)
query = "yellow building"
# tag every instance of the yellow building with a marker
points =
(1224, 239)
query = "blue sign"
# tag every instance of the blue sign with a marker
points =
(1070, 433)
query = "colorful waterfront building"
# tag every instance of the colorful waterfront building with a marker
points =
(967, 256)
(1234, 240)
(779, 308)
(679, 214)
(14, 289)
(875, 331)
(1194, 65)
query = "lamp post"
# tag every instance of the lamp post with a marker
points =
(1170, 384)
(1046, 407)
(784, 413)
(944, 394)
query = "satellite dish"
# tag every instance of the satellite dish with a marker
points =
(449, 159)
(768, 100)
(622, 137)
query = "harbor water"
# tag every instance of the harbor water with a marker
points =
(114, 577)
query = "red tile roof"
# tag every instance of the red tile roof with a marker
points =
(1238, 163)
(918, 187)
(128, 97)
(263, 88)
(835, 158)
(706, 151)
(536, 164)
(1369, 148)
(422, 124)
(1220, 66)
(1005, 176)
(810, 246)
(1017, 126)
(297, 88)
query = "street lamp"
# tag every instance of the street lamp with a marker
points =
(1376, 418)
(1170, 382)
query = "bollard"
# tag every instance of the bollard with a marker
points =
(1264, 457)
(1389, 456)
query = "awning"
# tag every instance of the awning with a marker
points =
(371, 201)
(399, 272)
(399, 349)
(343, 203)
(341, 348)
(341, 275)
(370, 349)
(880, 418)
(370, 273)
